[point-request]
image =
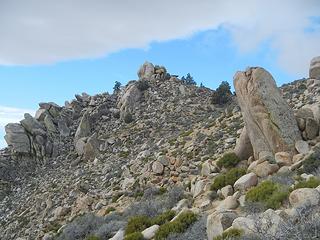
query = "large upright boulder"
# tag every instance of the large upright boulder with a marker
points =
(270, 122)
(84, 128)
(17, 138)
(314, 71)
(130, 99)
(146, 70)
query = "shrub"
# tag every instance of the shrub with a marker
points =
(222, 94)
(311, 183)
(163, 218)
(269, 193)
(137, 224)
(228, 178)
(116, 87)
(179, 225)
(229, 234)
(134, 236)
(142, 85)
(93, 238)
(196, 231)
(127, 118)
(228, 160)
(311, 163)
(110, 209)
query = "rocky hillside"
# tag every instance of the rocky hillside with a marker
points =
(158, 160)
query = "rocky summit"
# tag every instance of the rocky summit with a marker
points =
(162, 158)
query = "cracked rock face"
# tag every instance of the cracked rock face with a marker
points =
(272, 125)
(314, 71)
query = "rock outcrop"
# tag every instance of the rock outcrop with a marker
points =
(314, 71)
(270, 121)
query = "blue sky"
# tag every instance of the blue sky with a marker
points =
(44, 57)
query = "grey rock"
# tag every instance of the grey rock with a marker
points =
(32, 125)
(243, 147)
(273, 127)
(146, 70)
(314, 71)
(84, 128)
(17, 137)
(302, 146)
(218, 222)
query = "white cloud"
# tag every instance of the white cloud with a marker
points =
(10, 115)
(43, 31)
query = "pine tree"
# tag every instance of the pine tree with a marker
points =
(116, 87)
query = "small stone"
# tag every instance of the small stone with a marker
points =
(302, 146)
(245, 182)
(304, 197)
(150, 232)
(157, 167)
(227, 191)
(283, 158)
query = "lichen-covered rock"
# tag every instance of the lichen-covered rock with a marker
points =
(304, 197)
(84, 128)
(314, 71)
(271, 123)
(243, 147)
(146, 70)
(17, 137)
(218, 222)
(246, 181)
(129, 100)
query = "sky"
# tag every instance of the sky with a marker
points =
(52, 50)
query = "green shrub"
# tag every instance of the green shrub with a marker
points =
(269, 193)
(127, 118)
(137, 224)
(93, 238)
(179, 225)
(229, 234)
(311, 164)
(228, 160)
(134, 236)
(142, 85)
(163, 218)
(313, 182)
(228, 178)
(222, 94)
(110, 209)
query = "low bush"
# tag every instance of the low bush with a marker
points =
(229, 234)
(134, 236)
(137, 224)
(228, 160)
(93, 238)
(313, 182)
(142, 85)
(228, 178)
(128, 118)
(311, 163)
(179, 225)
(269, 193)
(163, 218)
(197, 230)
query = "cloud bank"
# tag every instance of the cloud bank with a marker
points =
(44, 32)
(10, 115)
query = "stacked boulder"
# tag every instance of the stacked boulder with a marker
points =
(151, 72)
(35, 136)
(271, 125)
(314, 71)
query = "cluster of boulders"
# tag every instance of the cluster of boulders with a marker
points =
(35, 136)
(102, 151)
(151, 72)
